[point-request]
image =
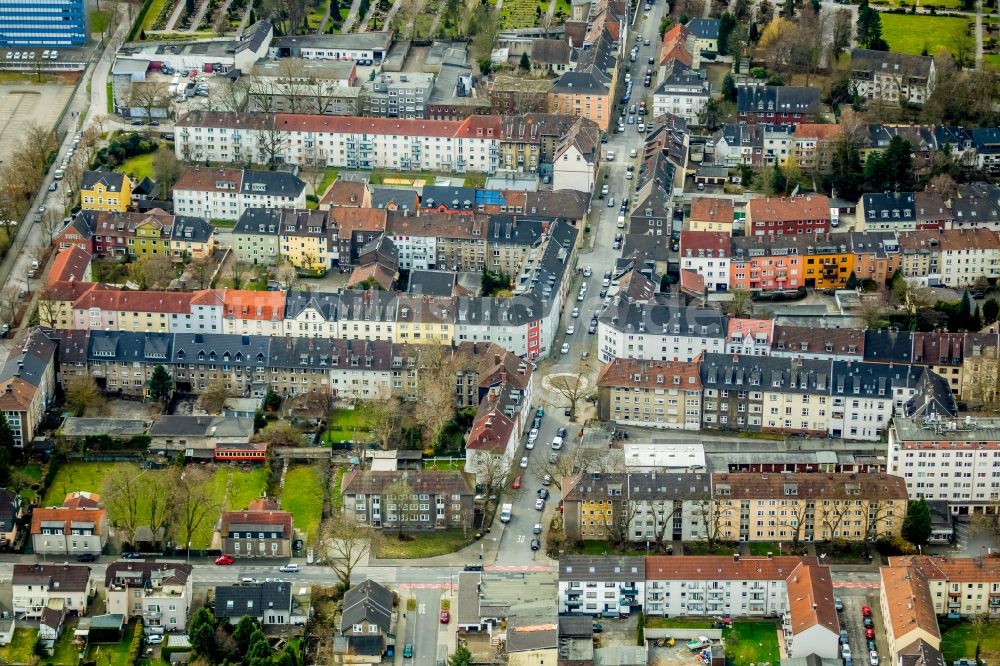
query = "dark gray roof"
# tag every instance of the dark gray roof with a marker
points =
(371, 305)
(703, 28)
(642, 486)
(664, 319)
(455, 198)
(872, 380)
(986, 139)
(889, 207)
(272, 183)
(645, 247)
(883, 346)
(331, 353)
(920, 653)
(514, 230)
(370, 602)
(235, 601)
(384, 197)
(262, 221)
(777, 99)
(682, 80)
(551, 51)
(125, 346)
(325, 304)
(112, 180)
(868, 60)
(431, 283)
(576, 626)
(613, 568)
(194, 229)
(557, 204)
(10, 505)
(976, 203)
(68, 577)
(254, 36)
(32, 353)
(237, 350)
(726, 371)
(201, 426)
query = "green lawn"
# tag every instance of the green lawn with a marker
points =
(303, 496)
(659, 622)
(20, 650)
(912, 33)
(99, 20)
(111, 98)
(959, 641)
(700, 548)
(115, 654)
(424, 544)
(153, 13)
(243, 488)
(992, 61)
(605, 548)
(762, 548)
(751, 643)
(65, 653)
(345, 425)
(445, 465)
(34, 474)
(336, 499)
(139, 167)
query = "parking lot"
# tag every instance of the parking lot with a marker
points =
(853, 620)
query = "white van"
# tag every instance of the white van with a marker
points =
(557, 443)
(611, 155)
(289, 568)
(621, 221)
(58, 175)
(505, 513)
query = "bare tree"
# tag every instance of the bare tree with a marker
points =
(569, 465)
(83, 395)
(571, 387)
(740, 305)
(48, 308)
(166, 170)
(663, 521)
(49, 225)
(147, 95)
(9, 303)
(344, 543)
(401, 502)
(237, 273)
(214, 397)
(495, 474)
(157, 489)
(843, 30)
(622, 516)
(285, 274)
(709, 513)
(382, 418)
(271, 142)
(435, 405)
(121, 494)
(192, 503)
(202, 270)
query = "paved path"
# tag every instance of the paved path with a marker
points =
(245, 20)
(979, 34)
(352, 16)
(198, 17)
(175, 16)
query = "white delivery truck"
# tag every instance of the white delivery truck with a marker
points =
(505, 512)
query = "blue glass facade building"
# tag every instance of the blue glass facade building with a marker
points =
(43, 23)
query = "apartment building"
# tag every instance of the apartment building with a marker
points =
(947, 459)
(966, 586)
(658, 332)
(28, 384)
(683, 92)
(158, 593)
(707, 254)
(749, 506)
(78, 527)
(957, 257)
(784, 105)
(784, 262)
(304, 240)
(247, 312)
(656, 506)
(711, 214)
(590, 585)
(654, 394)
(105, 191)
(816, 343)
(910, 622)
(801, 215)
(262, 530)
(814, 145)
(225, 194)
(256, 236)
(749, 337)
(398, 95)
(148, 311)
(892, 78)
(36, 588)
(419, 499)
(876, 255)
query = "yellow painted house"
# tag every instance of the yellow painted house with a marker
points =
(105, 190)
(423, 320)
(304, 240)
(152, 237)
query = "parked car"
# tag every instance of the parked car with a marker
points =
(289, 568)
(155, 639)
(870, 633)
(866, 611)
(517, 482)
(445, 617)
(564, 349)
(873, 658)
(597, 627)
(561, 432)
(868, 622)
(408, 651)
(838, 604)
(86, 557)
(535, 544)
(539, 504)
(224, 560)
(547, 479)
(130, 555)
(524, 462)
(537, 529)
(543, 493)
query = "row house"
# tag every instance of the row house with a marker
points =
(40, 589)
(711, 214)
(892, 78)
(876, 255)
(255, 236)
(611, 586)
(957, 257)
(532, 139)
(149, 311)
(965, 586)
(262, 530)
(28, 384)
(786, 263)
(801, 215)
(902, 211)
(911, 626)
(817, 343)
(657, 394)
(658, 332)
(814, 146)
(410, 500)
(588, 91)
(749, 337)
(637, 506)
(707, 254)
(224, 194)
(305, 240)
(777, 104)
(248, 312)
(750, 506)
(153, 233)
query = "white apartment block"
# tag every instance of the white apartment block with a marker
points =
(659, 332)
(610, 586)
(225, 194)
(955, 460)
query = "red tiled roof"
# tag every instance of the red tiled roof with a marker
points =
(780, 209)
(71, 291)
(821, 131)
(207, 297)
(711, 243)
(255, 305)
(136, 301)
(357, 125)
(282, 519)
(711, 209)
(69, 265)
(810, 599)
(67, 515)
(723, 567)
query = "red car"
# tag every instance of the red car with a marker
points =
(866, 611)
(869, 633)
(224, 560)
(445, 617)
(517, 482)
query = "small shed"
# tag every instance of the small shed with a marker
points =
(105, 628)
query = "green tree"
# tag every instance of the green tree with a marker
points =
(966, 312)
(977, 320)
(161, 386)
(665, 25)
(243, 633)
(525, 63)
(260, 652)
(460, 657)
(711, 116)
(727, 23)
(6, 449)
(729, 91)
(917, 525)
(848, 173)
(869, 31)
(991, 310)
(892, 169)
(788, 9)
(202, 632)
(852, 281)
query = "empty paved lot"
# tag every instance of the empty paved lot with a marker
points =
(22, 105)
